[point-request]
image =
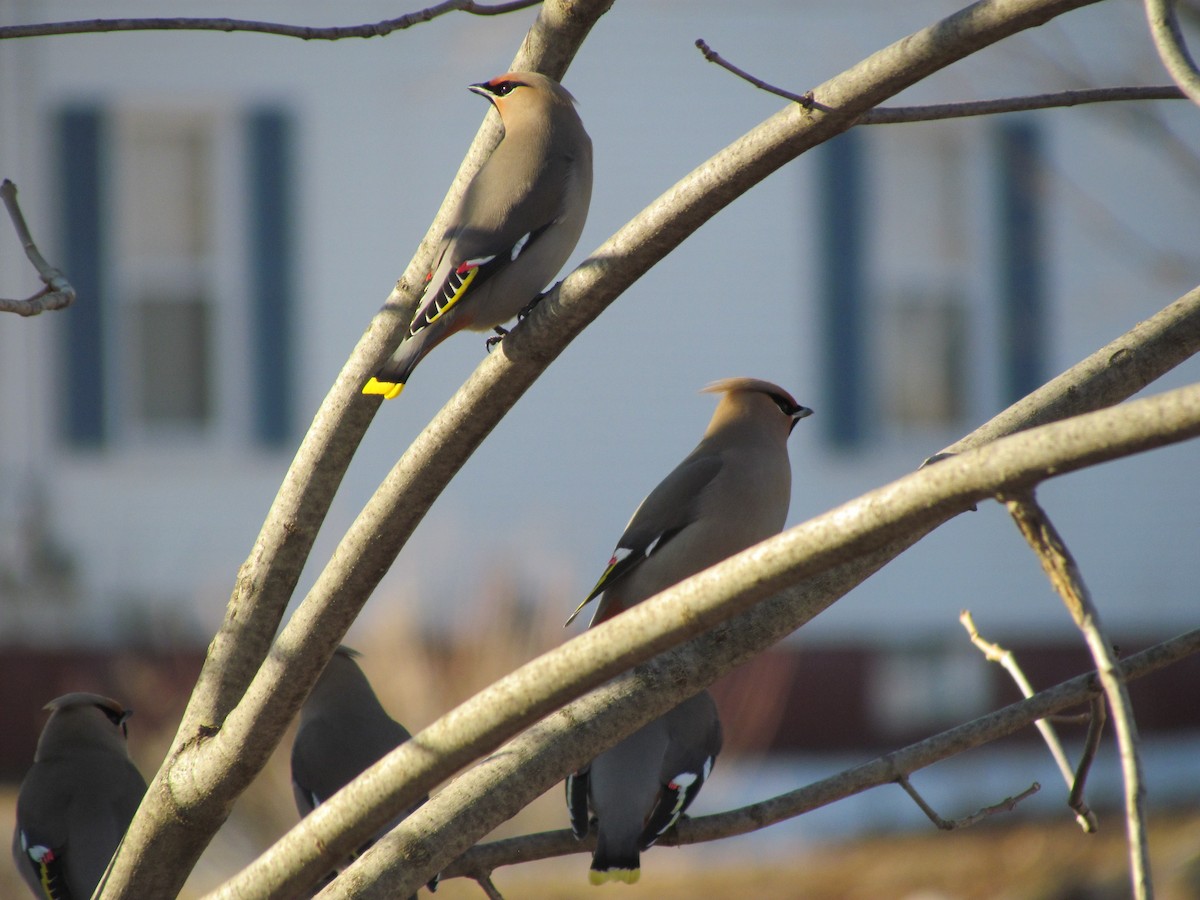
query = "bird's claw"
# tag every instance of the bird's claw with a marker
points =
(497, 338)
(528, 307)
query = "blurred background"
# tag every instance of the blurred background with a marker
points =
(233, 208)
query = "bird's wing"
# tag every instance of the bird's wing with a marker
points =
(41, 864)
(667, 510)
(465, 266)
(577, 801)
(694, 740)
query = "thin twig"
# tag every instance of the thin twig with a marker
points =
(890, 115)
(304, 32)
(1090, 746)
(489, 887)
(1168, 41)
(1008, 804)
(58, 293)
(1064, 575)
(805, 100)
(883, 770)
(995, 653)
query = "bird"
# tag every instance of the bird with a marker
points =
(344, 730)
(77, 800)
(729, 493)
(639, 788)
(517, 222)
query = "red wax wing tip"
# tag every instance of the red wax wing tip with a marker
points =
(464, 268)
(613, 560)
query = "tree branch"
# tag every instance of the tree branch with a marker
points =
(193, 791)
(1091, 744)
(997, 654)
(889, 115)
(304, 32)
(878, 772)
(1168, 40)
(57, 293)
(698, 606)
(1064, 575)
(1008, 804)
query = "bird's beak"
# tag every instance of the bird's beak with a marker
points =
(482, 90)
(802, 413)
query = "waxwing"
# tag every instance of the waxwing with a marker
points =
(639, 788)
(343, 731)
(731, 492)
(518, 221)
(78, 799)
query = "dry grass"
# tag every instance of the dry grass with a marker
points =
(997, 860)
(419, 679)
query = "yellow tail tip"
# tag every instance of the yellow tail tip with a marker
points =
(389, 390)
(625, 876)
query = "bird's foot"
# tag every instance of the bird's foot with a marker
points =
(528, 308)
(497, 338)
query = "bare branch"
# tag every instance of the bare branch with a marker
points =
(1090, 746)
(1008, 804)
(489, 888)
(193, 790)
(57, 293)
(1064, 575)
(843, 544)
(997, 654)
(889, 115)
(304, 32)
(1168, 40)
(876, 773)
(805, 100)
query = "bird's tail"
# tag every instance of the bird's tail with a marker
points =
(614, 864)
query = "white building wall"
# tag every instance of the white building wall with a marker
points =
(382, 125)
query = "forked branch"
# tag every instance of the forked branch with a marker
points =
(57, 293)
(995, 653)
(1060, 567)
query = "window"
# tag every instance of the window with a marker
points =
(923, 359)
(919, 255)
(164, 292)
(177, 230)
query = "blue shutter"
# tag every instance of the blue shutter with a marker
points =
(270, 143)
(81, 174)
(1021, 262)
(842, 289)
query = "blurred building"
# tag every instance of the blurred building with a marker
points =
(233, 208)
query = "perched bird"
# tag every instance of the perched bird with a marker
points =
(731, 492)
(343, 731)
(518, 221)
(639, 788)
(78, 799)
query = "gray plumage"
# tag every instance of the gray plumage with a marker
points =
(77, 800)
(639, 788)
(731, 492)
(344, 730)
(518, 221)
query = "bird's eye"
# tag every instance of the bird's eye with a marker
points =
(116, 717)
(786, 406)
(504, 88)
